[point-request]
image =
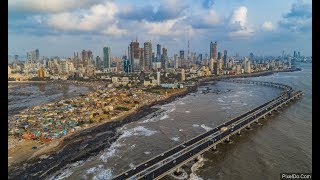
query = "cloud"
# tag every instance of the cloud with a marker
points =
(238, 24)
(300, 10)
(206, 20)
(211, 18)
(243, 33)
(299, 18)
(132, 12)
(239, 16)
(114, 30)
(168, 9)
(47, 5)
(165, 28)
(98, 17)
(267, 26)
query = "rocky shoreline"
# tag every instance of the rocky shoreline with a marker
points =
(91, 141)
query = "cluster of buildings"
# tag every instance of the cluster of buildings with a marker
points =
(144, 59)
(54, 120)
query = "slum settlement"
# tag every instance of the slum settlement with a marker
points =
(58, 119)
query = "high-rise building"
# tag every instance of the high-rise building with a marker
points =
(164, 58)
(247, 65)
(200, 57)
(141, 59)
(153, 57)
(98, 62)
(176, 61)
(106, 57)
(126, 64)
(37, 54)
(31, 56)
(182, 54)
(219, 55)
(147, 55)
(89, 57)
(134, 55)
(158, 52)
(225, 56)
(213, 50)
(84, 56)
(182, 59)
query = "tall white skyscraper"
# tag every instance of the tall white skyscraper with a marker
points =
(175, 61)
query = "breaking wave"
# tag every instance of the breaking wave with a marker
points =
(207, 128)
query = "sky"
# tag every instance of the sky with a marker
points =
(62, 27)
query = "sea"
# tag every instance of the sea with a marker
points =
(282, 143)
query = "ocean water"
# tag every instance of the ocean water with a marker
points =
(282, 144)
(25, 95)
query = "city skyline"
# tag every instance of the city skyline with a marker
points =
(59, 29)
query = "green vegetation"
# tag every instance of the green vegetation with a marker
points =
(36, 79)
(155, 89)
(121, 108)
(11, 79)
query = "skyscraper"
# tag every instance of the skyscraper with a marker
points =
(37, 54)
(176, 61)
(31, 56)
(147, 55)
(106, 57)
(158, 52)
(98, 62)
(225, 54)
(126, 64)
(164, 58)
(247, 65)
(90, 57)
(84, 56)
(219, 55)
(182, 54)
(141, 59)
(200, 57)
(134, 55)
(213, 50)
(153, 57)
